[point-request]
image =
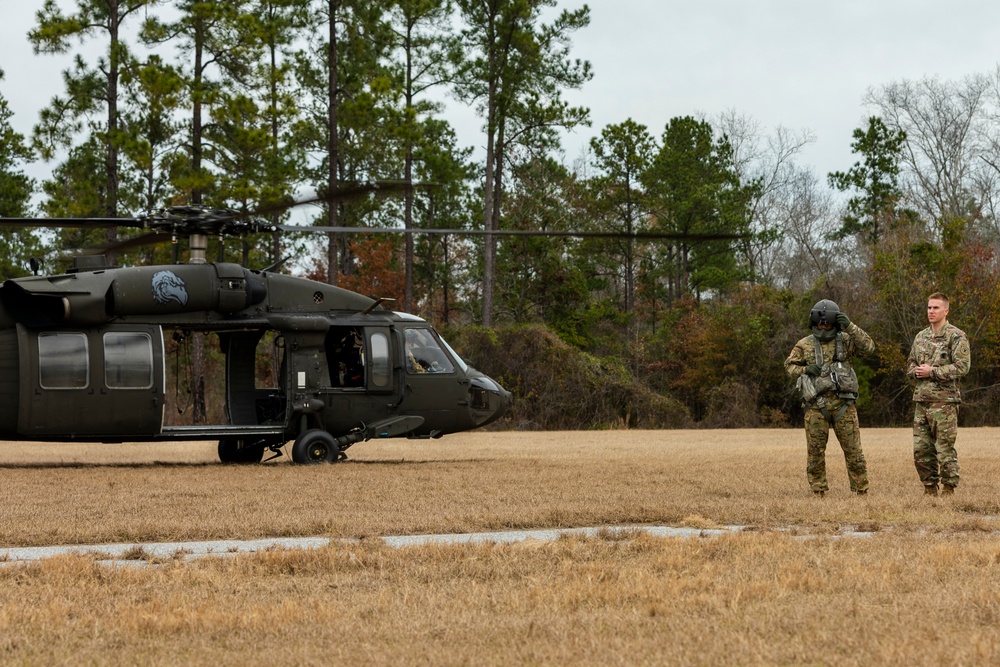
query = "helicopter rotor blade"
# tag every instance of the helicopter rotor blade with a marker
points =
(185, 220)
(158, 236)
(130, 243)
(515, 232)
(69, 223)
(345, 192)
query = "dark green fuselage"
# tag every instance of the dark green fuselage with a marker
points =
(82, 357)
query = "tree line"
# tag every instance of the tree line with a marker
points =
(248, 104)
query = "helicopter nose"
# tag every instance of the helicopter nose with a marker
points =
(505, 403)
(489, 401)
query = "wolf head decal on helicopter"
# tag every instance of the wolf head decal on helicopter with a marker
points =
(168, 287)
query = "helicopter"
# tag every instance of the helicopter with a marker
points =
(83, 354)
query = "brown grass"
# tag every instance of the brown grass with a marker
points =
(766, 599)
(57, 494)
(924, 589)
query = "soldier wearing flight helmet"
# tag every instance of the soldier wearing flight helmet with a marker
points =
(821, 366)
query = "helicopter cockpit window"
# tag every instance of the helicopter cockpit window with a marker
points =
(128, 360)
(454, 355)
(63, 361)
(424, 353)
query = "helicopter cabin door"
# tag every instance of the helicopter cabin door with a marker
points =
(105, 381)
(362, 380)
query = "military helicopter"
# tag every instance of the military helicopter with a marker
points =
(82, 354)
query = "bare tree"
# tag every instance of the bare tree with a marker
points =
(769, 160)
(808, 216)
(987, 181)
(945, 125)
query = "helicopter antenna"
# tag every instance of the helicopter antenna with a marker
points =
(378, 302)
(274, 267)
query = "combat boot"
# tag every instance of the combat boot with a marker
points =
(930, 490)
(947, 490)
(819, 494)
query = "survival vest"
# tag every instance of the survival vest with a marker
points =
(837, 377)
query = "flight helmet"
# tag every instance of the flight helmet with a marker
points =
(824, 312)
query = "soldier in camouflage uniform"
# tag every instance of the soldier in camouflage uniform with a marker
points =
(821, 366)
(939, 357)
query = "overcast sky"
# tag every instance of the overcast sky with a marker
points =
(800, 64)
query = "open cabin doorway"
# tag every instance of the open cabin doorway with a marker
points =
(239, 373)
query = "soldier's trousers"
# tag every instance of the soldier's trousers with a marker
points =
(935, 427)
(848, 432)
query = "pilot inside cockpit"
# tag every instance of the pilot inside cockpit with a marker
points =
(424, 353)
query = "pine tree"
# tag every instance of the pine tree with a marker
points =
(514, 69)
(91, 87)
(16, 189)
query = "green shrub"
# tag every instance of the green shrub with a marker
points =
(558, 387)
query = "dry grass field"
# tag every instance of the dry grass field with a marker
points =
(923, 588)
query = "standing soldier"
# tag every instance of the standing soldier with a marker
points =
(821, 366)
(939, 357)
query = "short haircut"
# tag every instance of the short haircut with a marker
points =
(940, 297)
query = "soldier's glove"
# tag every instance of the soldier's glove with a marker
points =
(814, 370)
(843, 321)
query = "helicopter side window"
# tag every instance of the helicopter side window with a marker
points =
(346, 356)
(63, 361)
(424, 353)
(381, 368)
(128, 360)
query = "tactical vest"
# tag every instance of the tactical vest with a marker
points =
(837, 378)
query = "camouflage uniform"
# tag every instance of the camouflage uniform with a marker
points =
(936, 399)
(830, 408)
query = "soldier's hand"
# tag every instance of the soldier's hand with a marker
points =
(814, 370)
(843, 321)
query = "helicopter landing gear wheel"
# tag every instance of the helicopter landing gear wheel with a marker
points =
(316, 446)
(231, 450)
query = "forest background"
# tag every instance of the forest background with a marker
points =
(248, 104)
